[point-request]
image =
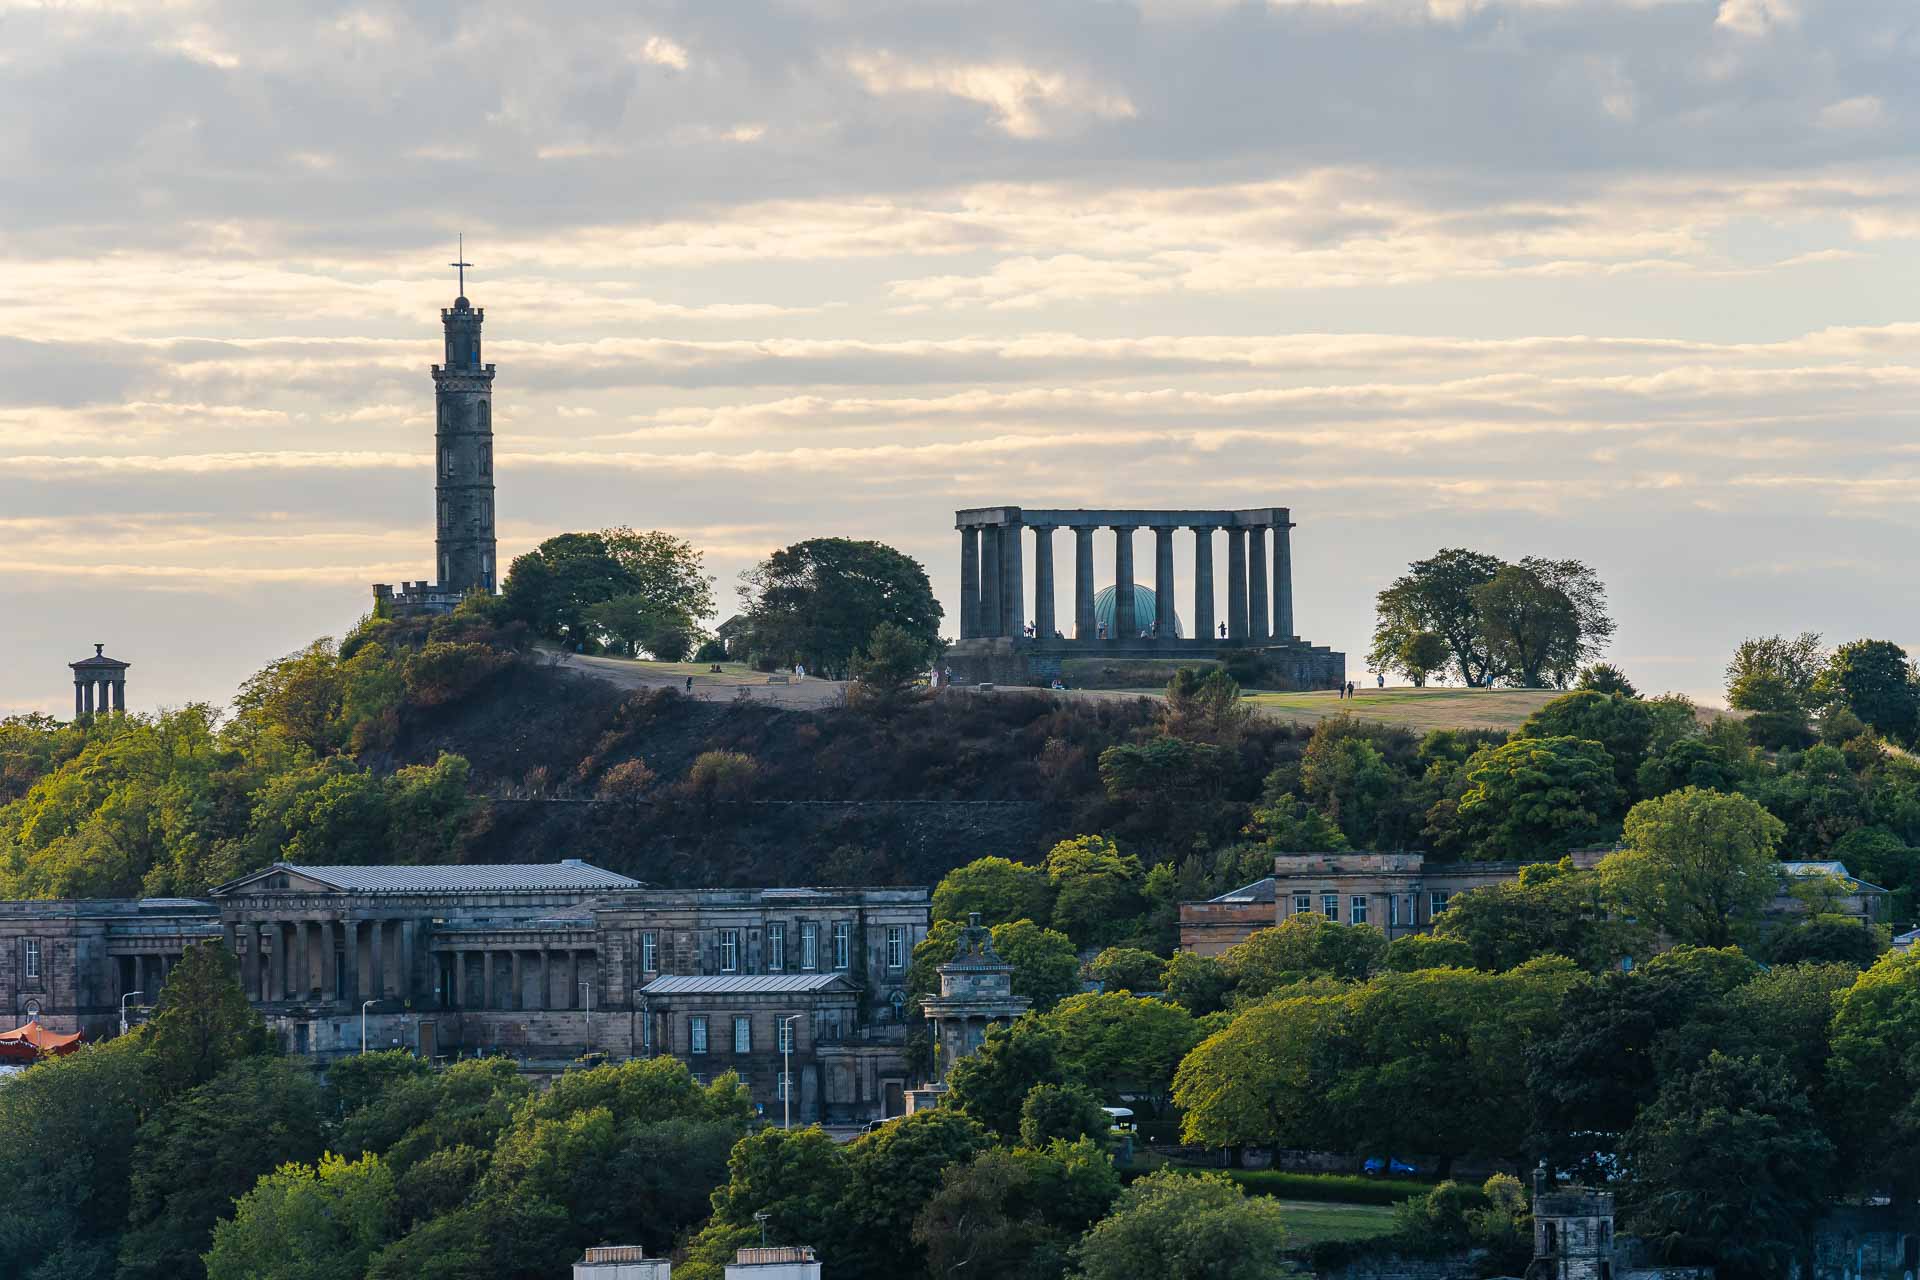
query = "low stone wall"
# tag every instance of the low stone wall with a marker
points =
(1394, 1266)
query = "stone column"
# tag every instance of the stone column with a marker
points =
(969, 582)
(276, 961)
(987, 611)
(1163, 581)
(1283, 577)
(457, 979)
(120, 695)
(1084, 627)
(1125, 625)
(1202, 582)
(573, 981)
(544, 995)
(486, 979)
(1236, 583)
(79, 699)
(519, 1000)
(1257, 613)
(408, 944)
(377, 960)
(89, 691)
(1043, 624)
(1013, 600)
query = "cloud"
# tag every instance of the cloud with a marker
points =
(1026, 101)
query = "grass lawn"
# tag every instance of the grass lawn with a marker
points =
(1416, 709)
(1313, 1222)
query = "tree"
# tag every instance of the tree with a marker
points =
(1045, 964)
(1181, 1226)
(1421, 653)
(1621, 724)
(1096, 889)
(1728, 1165)
(795, 1177)
(1198, 984)
(1068, 1112)
(1303, 946)
(204, 1150)
(1260, 1078)
(1775, 674)
(1700, 865)
(1542, 618)
(1413, 952)
(1604, 677)
(1116, 1043)
(1874, 1077)
(67, 1133)
(202, 1020)
(1552, 909)
(1437, 595)
(1874, 680)
(617, 587)
(884, 676)
(1126, 969)
(307, 1222)
(998, 888)
(1204, 708)
(895, 1171)
(991, 1083)
(817, 602)
(1538, 797)
(1016, 1214)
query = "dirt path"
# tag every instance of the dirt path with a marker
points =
(734, 682)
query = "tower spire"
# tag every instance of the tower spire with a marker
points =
(462, 263)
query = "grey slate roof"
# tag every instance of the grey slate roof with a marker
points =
(1258, 891)
(719, 984)
(570, 874)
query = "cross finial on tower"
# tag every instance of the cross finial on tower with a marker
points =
(462, 264)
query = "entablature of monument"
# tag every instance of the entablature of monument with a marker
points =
(1121, 518)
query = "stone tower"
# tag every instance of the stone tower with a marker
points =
(463, 466)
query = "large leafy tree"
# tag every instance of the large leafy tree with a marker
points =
(1097, 889)
(1016, 1214)
(1874, 680)
(795, 1177)
(1620, 723)
(998, 888)
(1177, 1226)
(1116, 1043)
(991, 1083)
(817, 602)
(1259, 1079)
(1538, 797)
(1728, 1165)
(635, 591)
(202, 1021)
(1436, 595)
(205, 1149)
(1551, 909)
(1873, 1077)
(895, 1171)
(1698, 864)
(1303, 946)
(307, 1222)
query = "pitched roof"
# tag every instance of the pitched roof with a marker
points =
(680, 984)
(1258, 891)
(570, 873)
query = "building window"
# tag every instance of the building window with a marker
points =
(842, 935)
(1302, 903)
(1393, 912)
(1330, 905)
(446, 462)
(786, 1036)
(729, 950)
(649, 952)
(776, 947)
(697, 1033)
(896, 947)
(486, 416)
(486, 458)
(742, 1035)
(1358, 914)
(899, 1002)
(782, 1085)
(809, 946)
(1436, 903)
(33, 957)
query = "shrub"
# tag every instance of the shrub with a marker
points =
(628, 780)
(722, 775)
(711, 651)
(1065, 1111)
(446, 671)
(1126, 969)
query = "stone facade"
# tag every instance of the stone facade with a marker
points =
(1004, 641)
(976, 991)
(544, 961)
(1401, 893)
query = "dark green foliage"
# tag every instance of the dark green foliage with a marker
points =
(1164, 769)
(1874, 680)
(202, 1021)
(1127, 969)
(1199, 984)
(885, 674)
(991, 1084)
(1538, 797)
(1416, 951)
(1552, 909)
(1604, 677)
(1185, 1227)
(818, 602)
(1873, 1077)
(1621, 724)
(1068, 1112)
(999, 889)
(1727, 1165)
(203, 1150)
(1016, 1214)
(1825, 941)
(615, 588)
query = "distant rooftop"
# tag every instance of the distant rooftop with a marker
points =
(570, 873)
(738, 984)
(1259, 891)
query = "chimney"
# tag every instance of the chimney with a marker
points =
(778, 1262)
(621, 1262)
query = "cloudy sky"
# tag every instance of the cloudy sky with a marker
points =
(1624, 280)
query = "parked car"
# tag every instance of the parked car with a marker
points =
(1391, 1166)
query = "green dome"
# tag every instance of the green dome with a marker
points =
(1143, 612)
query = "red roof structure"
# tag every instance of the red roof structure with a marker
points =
(30, 1041)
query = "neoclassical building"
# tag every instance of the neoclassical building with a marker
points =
(1016, 635)
(542, 961)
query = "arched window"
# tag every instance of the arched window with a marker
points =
(486, 457)
(486, 415)
(899, 1002)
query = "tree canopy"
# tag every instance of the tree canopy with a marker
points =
(818, 602)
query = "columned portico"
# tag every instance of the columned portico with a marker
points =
(1254, 612)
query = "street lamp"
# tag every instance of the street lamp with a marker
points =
(364, 1006)
(123, 1008)
(786, 1066)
